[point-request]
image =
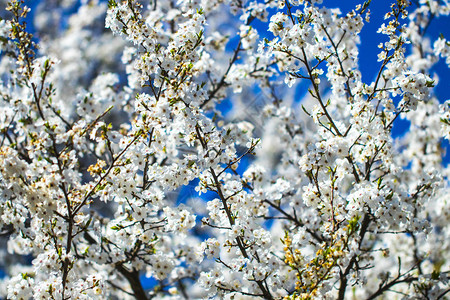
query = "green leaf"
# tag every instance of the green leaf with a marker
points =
(365, 6)
(112, 3)
(435, 275)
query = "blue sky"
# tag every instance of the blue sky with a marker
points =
(369, 50)
(370, 38)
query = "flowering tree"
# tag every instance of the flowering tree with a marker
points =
(104, 130)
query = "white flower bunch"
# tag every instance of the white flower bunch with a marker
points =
(159, 150)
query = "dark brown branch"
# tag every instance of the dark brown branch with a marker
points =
(133, 278)
(343, 275)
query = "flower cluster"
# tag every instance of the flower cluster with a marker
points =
(124, 175)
